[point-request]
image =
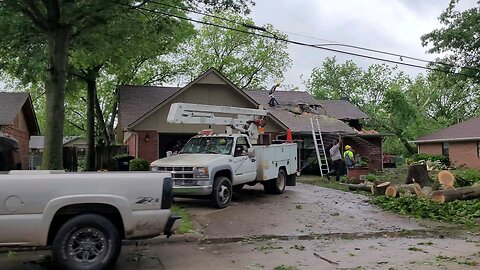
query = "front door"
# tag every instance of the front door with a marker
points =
(244, 168)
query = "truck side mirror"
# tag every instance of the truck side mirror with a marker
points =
(251, 153)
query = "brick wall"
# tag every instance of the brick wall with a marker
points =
(430, 148)
(148, 145)
(132, 145)
(464, 153)
(23, 139)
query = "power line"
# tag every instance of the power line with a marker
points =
(273, 36)
(329, 42)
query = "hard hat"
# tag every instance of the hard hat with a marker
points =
(348, 147)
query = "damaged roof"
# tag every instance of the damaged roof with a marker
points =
(300, 122)
(339, 109)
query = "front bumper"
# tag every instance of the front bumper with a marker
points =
(192, 190)
(173, 224)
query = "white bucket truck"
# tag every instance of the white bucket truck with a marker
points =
(214, 165)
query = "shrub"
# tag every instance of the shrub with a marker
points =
(442, 159)
(139, 164)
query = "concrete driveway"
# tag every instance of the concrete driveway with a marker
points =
(307, 227)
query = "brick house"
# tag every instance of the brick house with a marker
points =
(18, 120)
(143, 112)
(460, 142)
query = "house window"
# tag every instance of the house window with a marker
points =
(445, 149)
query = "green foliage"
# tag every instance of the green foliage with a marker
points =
(444, 160)
(396, 103)
(457, 41)
(459, 212)
(247, 60)
(139, 164)
(470, 175)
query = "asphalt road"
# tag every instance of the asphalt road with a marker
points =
(307, 227)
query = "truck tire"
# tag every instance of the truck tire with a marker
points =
(87, 241)
(222, 192)
(277, 185)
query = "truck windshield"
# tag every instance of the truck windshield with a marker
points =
(209, 145)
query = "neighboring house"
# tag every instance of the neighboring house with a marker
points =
(460, 142)
(36, 146)
(143, 116)
(18, 120)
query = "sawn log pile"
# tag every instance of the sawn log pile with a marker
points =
(420, 184)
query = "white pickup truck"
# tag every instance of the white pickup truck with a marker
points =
(215, 165)
(84, 216)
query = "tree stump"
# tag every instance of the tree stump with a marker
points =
(391, 192)
(448, 195)
(418, 174)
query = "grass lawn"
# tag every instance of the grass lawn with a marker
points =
(187, 224)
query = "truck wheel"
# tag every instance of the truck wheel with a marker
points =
(222, 192)
(277, 185)
(87, 241)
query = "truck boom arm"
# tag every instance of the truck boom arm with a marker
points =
(189, 113)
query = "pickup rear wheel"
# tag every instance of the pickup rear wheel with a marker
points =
(222, 192)
(87, 241)
(277, 185)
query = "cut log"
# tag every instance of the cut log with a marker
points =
(418, 174)
(379, 189)
(418, 190)
(391, 192)
(446, 178)
(448, 195)
(427, 191)
(365, 186)
(406, 190)
(400, 190)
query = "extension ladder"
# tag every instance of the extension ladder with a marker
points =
(320, 148)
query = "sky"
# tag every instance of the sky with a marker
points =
(388, 25)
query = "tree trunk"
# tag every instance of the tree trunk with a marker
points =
(90, 155)
(379, 189)
(466, 193)
(364, 187)
(418, 174)
(101, 122)
(58, 40)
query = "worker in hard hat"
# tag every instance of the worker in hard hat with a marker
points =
(348, 156)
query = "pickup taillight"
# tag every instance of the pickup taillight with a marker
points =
(167, 193)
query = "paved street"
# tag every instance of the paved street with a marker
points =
(307, 227)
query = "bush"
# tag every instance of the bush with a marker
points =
(139, 164)
(442, 159)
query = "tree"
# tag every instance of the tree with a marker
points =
(457, 97)
(396, 103)
(248, 60)
(46, 31)
(458, 38)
